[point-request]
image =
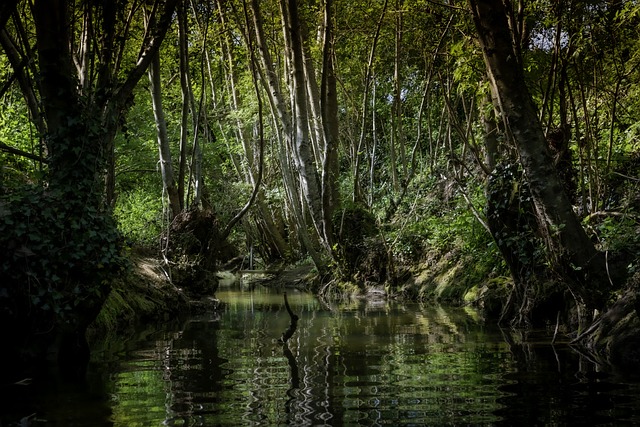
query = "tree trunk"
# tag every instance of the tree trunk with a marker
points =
(166, 166)
(305, 161)
(185, 89)
(69, 212)
(397, 134)
(355, 153)
(329, 108)
(575, 255)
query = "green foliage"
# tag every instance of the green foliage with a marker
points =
(511, 217)
(619, 233)
(139, 217)
(17, 132)
(60, 253)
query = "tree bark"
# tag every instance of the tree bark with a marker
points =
(329, 109)
(166, 165)
(185, 88)
(305, 161)
(575, 255)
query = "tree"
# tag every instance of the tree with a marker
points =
(574, 254)
(303, 150)
(166, 164)
(60, 259)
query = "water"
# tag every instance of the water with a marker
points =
(355, 363)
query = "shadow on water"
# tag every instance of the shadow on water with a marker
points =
(559, 385)
(348, 363)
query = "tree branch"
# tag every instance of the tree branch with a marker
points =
(292, 326)
(147, 52)
(6, 9)
(17, 152)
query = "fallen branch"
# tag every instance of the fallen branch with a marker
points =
(292, 326)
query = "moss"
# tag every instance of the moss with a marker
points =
(114, 310)
(447, 287)
(472, 294)
(142, 294)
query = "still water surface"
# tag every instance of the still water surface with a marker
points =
(352, 363)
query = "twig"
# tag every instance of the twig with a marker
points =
(590, 329)
(555, 333)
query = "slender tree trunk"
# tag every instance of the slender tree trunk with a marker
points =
(305, 160)
(257, 181)
(329, 108)
(185, 88)
(355, 154)
(373, 156)
(166, 166)
(575, 253)
(119, 99)
(397, 138)
(313, 97)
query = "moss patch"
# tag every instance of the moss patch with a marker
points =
(142, 294)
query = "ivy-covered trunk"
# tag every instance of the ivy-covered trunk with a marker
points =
(65, 244)
(570, 250)
(60, 243)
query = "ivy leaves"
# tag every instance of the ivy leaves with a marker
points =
(60, 254)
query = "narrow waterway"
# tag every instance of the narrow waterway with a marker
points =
(351, 363)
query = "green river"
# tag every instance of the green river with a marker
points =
(348, 363)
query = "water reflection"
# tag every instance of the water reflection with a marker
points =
(353, 363)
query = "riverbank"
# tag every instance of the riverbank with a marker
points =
(143, 294)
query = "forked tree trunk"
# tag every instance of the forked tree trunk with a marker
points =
(575, 255)
(81, 123)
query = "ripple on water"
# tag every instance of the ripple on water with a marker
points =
(352, 367)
